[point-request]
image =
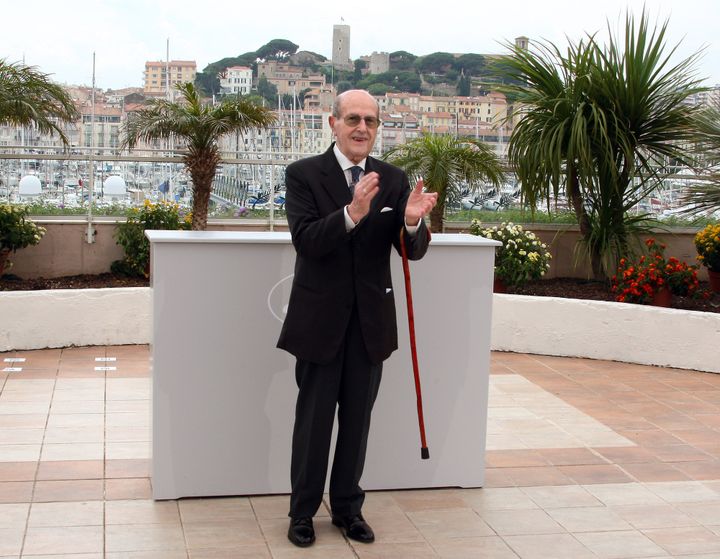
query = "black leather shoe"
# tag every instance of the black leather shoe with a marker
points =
(355, 527)
(301, 531)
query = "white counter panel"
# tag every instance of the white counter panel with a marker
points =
(224, 396)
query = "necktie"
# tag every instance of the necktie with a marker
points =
(355, 174)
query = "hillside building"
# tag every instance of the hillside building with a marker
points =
(161, 77)
(236, 80)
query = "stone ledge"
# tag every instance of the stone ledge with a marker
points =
(520, 323)
(606, 330)
(74, 317)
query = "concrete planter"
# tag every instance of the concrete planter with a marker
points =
(520, 323)
(74, 317)
(605, 330)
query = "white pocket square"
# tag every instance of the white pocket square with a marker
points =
(388, 290)
(386, 209)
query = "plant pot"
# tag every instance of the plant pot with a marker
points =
(662, 297)
(499, 285)
(714, 280)
(4, 256)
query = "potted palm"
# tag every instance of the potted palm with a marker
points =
(16, 231)
(707, 243)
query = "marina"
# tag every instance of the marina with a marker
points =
(58, 183)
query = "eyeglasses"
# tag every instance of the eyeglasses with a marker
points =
(354, 120)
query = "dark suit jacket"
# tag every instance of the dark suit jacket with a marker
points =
(334, 269)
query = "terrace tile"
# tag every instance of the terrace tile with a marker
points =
(585, 459)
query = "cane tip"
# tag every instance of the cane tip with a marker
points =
(424, 453)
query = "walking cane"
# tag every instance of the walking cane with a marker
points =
(424, 452)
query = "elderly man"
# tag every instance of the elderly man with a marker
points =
(345, 210)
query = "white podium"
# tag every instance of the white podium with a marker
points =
(224, 396)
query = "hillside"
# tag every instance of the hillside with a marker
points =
(438, 73)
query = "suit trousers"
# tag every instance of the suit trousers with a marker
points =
(350, 382)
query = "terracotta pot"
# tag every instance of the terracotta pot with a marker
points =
(714, 280)
(499, 286)
(4, 255)
(662, 297)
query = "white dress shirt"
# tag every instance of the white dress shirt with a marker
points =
(345, 165)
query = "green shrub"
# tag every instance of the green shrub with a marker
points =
(131, 234)
(16, 230)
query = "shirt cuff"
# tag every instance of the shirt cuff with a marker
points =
(349, 223)
(412, 230)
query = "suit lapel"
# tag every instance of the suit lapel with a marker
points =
(333, 179)
(370, 166)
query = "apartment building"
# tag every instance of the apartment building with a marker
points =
(236, 80)
(319, 98)
(109, 114)
(301, 132)
(489, 108)
(161, 76)
(289, 79)
(406, 115)
(393, 101)
(398, 128)
(106, 130)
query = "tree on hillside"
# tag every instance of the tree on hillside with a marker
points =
(302, 94)
(402, 60)
(359, 65)
(446, 163)
(208, 81)
(308, 59)
(200, 125)
(463, 85)
(437, 62)
(472, 64)
(267, 91)
(29, 97)
(277, 49)
(343, 86)
(395, 81)
(379, 89)
(601, 125)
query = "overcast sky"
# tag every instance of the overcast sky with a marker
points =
(60, 36)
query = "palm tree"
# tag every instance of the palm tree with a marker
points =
(445, 163)
(704, 198)
(602, 124)
(201, 126)
(29, 97)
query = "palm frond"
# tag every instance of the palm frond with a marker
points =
(609, 120)
(200, 125)
(446, 163)
(29, 97)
